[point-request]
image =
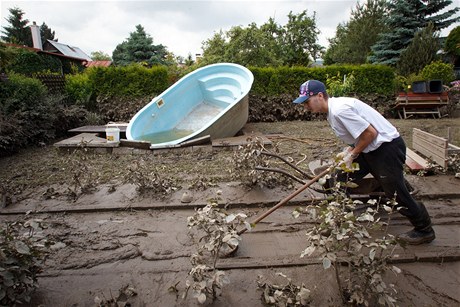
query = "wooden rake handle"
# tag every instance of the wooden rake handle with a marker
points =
(288, 198)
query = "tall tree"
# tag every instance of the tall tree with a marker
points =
(47, 33)
(139, 48)
(250, 46)
(338, 50)
(273, 34)
(17, 32)
(100, 56)
(367, 23)
(300, 39)
(405, 19)
(354, 39)
(420, 52)
(188, 61)
(452, 46)
(267, 45)
(214, 48)
(442, 20)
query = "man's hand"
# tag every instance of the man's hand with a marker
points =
(346, 157)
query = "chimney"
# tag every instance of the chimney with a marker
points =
(36, 37)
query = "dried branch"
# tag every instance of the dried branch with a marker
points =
(302, 172)
(282, 171)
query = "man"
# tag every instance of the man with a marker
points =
(376, 146)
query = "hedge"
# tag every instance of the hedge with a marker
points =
(139, 81)
(131, 81)
(376, 79)
(98, 87)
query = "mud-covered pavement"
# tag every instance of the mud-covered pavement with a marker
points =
(114, 239)
(97, 252)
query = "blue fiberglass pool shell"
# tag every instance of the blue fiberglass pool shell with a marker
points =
(212, 100)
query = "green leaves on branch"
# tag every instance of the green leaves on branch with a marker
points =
(353, 40)
(270, 45)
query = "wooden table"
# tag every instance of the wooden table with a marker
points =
(409, 104)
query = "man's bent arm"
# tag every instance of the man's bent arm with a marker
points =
(364, 139)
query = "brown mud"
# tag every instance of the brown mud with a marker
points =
(113, 237)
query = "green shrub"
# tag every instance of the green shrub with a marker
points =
(373, 79)
(452, 43)
(20, 93)
(79, 89)
(29, 115)
(337, 86)
(27, 63)
(438, 71)
(404, 84)
(11, 134)
(7, 55)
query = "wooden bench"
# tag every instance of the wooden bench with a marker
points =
(409, 104)
(433, 147)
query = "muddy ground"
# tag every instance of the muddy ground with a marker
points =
(107, 235)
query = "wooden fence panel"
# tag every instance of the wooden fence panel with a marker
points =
(54, 83)
(431, 146)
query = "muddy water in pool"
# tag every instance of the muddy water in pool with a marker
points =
(166, 136)
(198, 118)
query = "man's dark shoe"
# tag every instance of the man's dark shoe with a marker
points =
(415, 237)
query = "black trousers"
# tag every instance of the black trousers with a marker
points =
(386, 165)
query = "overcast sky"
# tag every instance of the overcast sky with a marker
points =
(181, 26)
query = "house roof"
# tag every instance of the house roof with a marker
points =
(73, 52)
(46, 52)
(98, 63)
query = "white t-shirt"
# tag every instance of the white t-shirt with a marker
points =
(349, 117)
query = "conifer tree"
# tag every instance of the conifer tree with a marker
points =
(424, 45)
(354, 39)
(139, 48)
(18, 32)
(405, 19)
(47, 33)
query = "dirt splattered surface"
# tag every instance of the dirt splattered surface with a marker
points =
(109, 237)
